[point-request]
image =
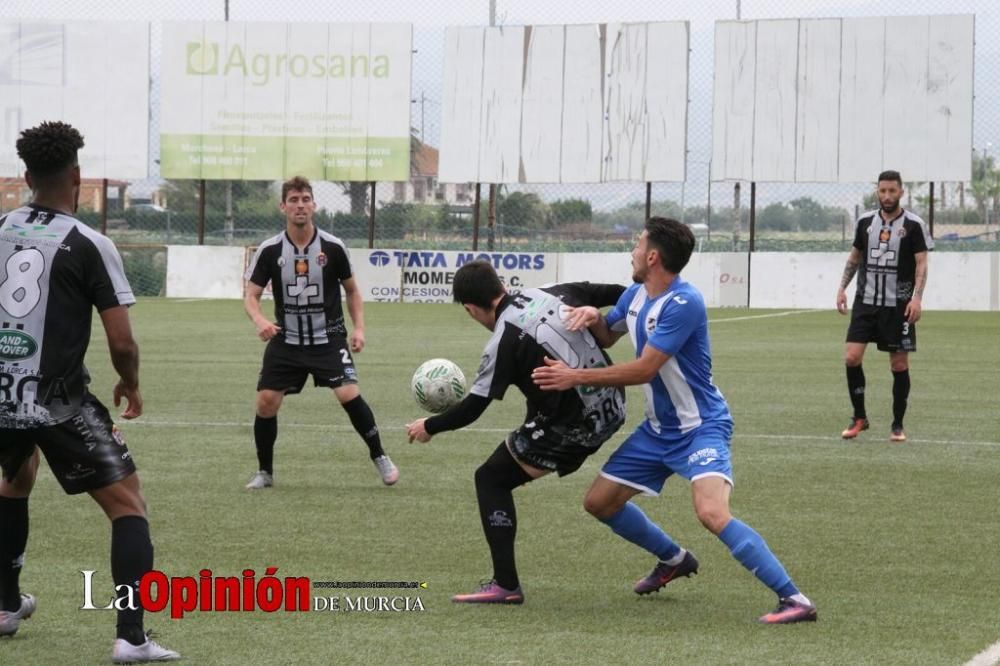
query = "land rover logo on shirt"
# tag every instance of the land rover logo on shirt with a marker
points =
(16, 345)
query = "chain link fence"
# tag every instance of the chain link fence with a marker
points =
(424, 213)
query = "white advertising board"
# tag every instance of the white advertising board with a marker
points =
(266, 101)
(93, 75)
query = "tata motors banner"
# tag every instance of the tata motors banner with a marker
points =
(93, 75)
(417, 276)
(266, 101)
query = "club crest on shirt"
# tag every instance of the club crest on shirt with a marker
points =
(301, 266)
(650, 324)
(281, 262)
(321, 259)
(901, 233)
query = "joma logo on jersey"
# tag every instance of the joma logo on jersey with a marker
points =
(16, 345)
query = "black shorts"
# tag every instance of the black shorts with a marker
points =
(559, 449)
(286, 367)
(86, 452)
(885, 325)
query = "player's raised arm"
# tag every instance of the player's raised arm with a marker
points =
(355, 308)
(266, 329)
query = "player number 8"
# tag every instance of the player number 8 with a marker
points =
(21, 291)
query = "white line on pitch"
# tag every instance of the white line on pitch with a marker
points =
(988, 657)
(763, 316)
(334, 426)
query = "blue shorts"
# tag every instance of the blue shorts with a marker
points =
(644, 461)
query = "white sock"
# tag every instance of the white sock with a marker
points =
(676, 559)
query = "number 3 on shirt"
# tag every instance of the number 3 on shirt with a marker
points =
(21, 291)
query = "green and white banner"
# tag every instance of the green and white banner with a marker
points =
(267, 101)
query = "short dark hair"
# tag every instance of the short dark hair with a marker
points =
(891, 175)
(672, 239)
(49, 150)
(298, 183)
(477, 283)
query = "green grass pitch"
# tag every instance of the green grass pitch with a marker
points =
(897, 544)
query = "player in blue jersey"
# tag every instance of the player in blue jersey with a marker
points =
(688, 426)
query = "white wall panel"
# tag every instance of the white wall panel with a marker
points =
(461, 105)
(589, 106)
(869, 94)
(775, 116)
(583, 112)
(500, 124)
(93, 75)
(626, 120)
(949, 96)
(862, 105)
(818, 118)
(733, 100)
(666, 101)
(542, 109)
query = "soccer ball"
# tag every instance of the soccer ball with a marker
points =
(437, 385)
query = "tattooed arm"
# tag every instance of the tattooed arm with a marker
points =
(853, 261)
(915, 306)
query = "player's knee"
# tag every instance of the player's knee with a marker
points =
(852, 359)
(713, 516)
(600, 507)
(899, 364)
(267, 406)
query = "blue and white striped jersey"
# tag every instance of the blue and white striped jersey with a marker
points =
(681, 397)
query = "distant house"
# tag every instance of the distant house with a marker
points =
(423, 186)
(14, 192)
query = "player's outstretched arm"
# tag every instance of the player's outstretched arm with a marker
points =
(266, 329)
(557, 376)
(464, 413)
(125, 359)
(355, 308)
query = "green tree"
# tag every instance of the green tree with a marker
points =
(523, 210)
(776, 217)
(571, 211)
(808, 214)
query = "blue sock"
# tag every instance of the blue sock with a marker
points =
(633, 525)
(750, 550)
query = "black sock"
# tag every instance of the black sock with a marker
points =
(131, 557)
(900, 393)
(13, 539)
(495, 479)
(265, 432)
(856, 387)
(364, 422)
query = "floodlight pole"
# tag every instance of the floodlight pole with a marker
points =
(371, 218)
(491, 208)
(930, 216)
(649, 198)
(201, 212)
(104, 206)
(475, 220)
(753, 214)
